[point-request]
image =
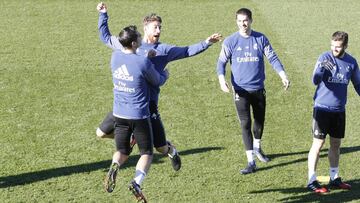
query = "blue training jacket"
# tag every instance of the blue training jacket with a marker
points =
(132, 75)
(246, 57)
(331, 90)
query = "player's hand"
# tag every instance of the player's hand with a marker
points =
(284, 80)
(214, 38)
(327, 65)
(286, 83)
(151, 53)
(101, 7)
(223, 84)
(225, 87)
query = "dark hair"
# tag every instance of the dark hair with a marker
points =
(341, 36)
(151, 18)
(128, 35)
(244, 11)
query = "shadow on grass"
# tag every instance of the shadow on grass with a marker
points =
(26, 178)
(301, 194)
(343, 150)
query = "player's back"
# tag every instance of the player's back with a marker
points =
(131, 94)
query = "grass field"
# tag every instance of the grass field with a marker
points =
(55, 88)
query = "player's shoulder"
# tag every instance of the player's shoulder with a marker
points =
(233, 35)
(162, 48)
(117, 53)
(325, 55)
(350, 57)
(231, 38)
(159, 45)
(143, 60)
(258, 35)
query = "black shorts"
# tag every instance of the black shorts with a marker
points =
(107, 126)
(332, 123)
(157, 126)
(142, 131)
(254, 99)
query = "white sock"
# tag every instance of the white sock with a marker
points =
(116, 163)
(256, 143)
(334, 173)
(139, 176)
(312, 176)
(250, 156)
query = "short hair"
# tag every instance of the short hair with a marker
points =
(341, 36)
(244, 11)
(128, 35)
(151, 18)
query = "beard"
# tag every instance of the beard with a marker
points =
(338, 54)
(155, 38)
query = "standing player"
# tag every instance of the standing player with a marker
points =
(333, 71)
(245, 50)
(164, 54)
(132, 75)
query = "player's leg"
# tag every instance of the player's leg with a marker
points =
(160, 143)
(336, 134)
(258, 103)
(242, 105)
(313, 157)
(144, 138)
(320, 129)
(334, 156)
(106, 128)
(122, 140)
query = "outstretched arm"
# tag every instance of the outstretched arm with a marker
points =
(176, 53)
(101, 7)
(104, 32)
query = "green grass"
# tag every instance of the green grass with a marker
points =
(56, 87)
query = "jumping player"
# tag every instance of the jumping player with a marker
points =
(132, 75)
(164, 54)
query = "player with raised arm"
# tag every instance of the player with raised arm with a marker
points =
(245, 50)
(165, 53)
(132, 75)
(333, 72)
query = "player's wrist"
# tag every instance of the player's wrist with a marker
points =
(208, 42)
(282, 75)
(320, 70)
(221, 79)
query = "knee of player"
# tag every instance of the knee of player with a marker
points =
(317, 144)
(147, 156)
(335, 143)
(246, 125)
